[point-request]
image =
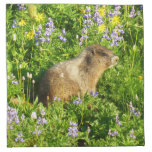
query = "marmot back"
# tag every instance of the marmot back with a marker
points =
(76, 76)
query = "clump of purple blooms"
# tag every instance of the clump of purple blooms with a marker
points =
(78, 101)
(15, 82)
(94, 94)
(19, 137)
(61, 36)
(73, 130)
(49, 28)
(37, 131)
(87, 24)
(115, 133)
(14, 24)
(21, 7)
(117, 120)
(41, 121)
(12, 116)
(133, 111)
(132, 13)
(115, 12)
(97, 17)
(115, 35)
(132, 134)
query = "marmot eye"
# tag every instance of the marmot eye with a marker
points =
(103, 54)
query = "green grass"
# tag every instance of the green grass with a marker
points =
(118, 86)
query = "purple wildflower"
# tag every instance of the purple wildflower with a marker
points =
(15, 82)
(21, 7)
(115, 133)
(73, 130)
(39, 120)
(12, 116)
(63, 31)
(78, 101)
(132, 134)
(133, 111)
(14, 24)
(87, 9)
(44, 121)
(117, 120)
(38, 132)
(115, 12)
(94, 94)
(132, 13)
(39, 27)
(19, 137)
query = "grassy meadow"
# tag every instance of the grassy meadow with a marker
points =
(41, 35)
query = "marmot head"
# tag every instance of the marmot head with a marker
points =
(100, 56)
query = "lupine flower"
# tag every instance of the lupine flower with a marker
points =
(38, 132)
(21, 7)
(63, 31)
(14, 23)
(115, 36)
(94, 94)
(19, 137)
(11, 127)
(23, 78)
(44, 121)
(33, 115)
(133, 111)
(87, 9)
(115, 12)
(115, 133)
(117, 120)
(78, 101)
(132, 134)
(73, 130)
(63, 39)
(15, 82)
(132, 13)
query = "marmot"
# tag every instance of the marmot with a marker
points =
(76, 76)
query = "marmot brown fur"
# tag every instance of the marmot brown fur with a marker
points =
(76, 76)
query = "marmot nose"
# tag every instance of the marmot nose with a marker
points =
(115, 59)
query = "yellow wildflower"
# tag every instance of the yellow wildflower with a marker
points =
(101, 28)
(82, 11)
(22, 23)
(102, 12)
(140, 77)
(30, 35)
(115, 20)
(39, 17)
